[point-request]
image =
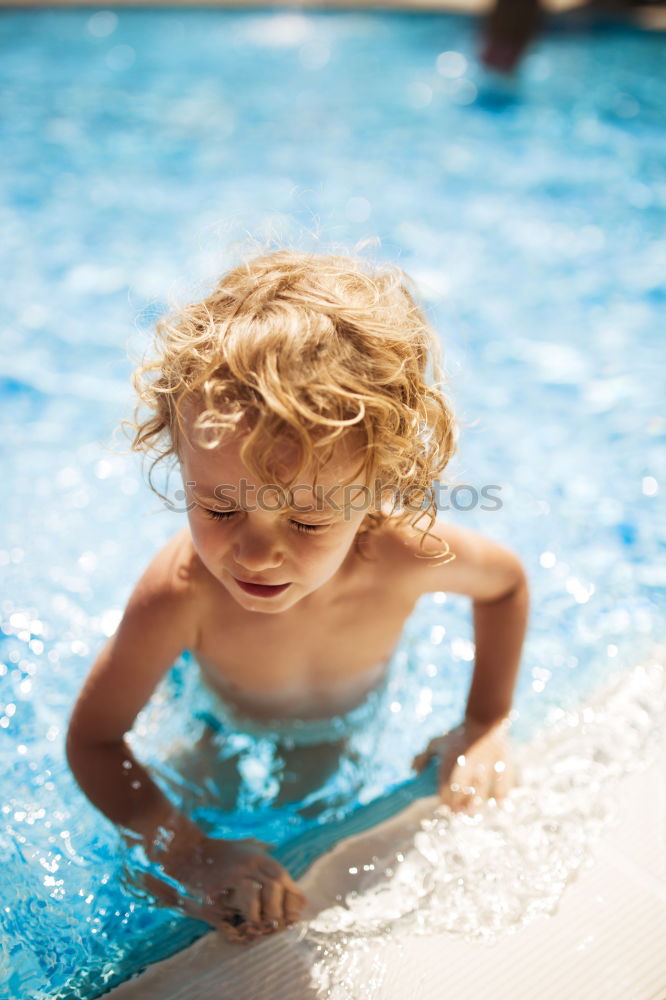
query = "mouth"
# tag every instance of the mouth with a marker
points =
(262, 589)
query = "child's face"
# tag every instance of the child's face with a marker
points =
(246, 532)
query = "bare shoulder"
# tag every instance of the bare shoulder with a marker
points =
(159, 622)
(452, 558)
(174, 570)
(175, 584)
(393, 551)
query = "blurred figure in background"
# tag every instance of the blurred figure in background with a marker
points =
(508, 30)
(512, 25)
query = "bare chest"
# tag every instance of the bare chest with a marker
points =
(304, 664)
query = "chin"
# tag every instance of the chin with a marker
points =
(263, 607)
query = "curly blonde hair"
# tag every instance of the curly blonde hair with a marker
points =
(310, 349)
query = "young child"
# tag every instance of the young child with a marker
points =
(302, 402)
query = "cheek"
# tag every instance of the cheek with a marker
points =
(333, 552)
(205, 535)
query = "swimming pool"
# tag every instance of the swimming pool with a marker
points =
(138, 146)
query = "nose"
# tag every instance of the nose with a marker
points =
(256, 551)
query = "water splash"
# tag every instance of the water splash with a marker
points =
(479, 878)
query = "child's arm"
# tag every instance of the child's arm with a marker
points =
(474, 756)
(231, 878)
(156, 626)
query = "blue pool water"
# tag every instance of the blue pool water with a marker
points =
(139, 149)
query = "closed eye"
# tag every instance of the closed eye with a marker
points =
(223, 515)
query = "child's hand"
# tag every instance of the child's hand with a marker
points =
(475, 764)
(239, 889)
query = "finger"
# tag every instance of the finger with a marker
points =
(482, 782)
(247, 899)
(447, 793)
(457, 796)
(277, 873)
(502, 781)
(232, 934)
(215, 912)
(293, 905)
(238, 931)
(282, 875)
(272, 894)
(250, 932)
(450, 780)
(473, 803)
(422, 758)
(462, 796)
